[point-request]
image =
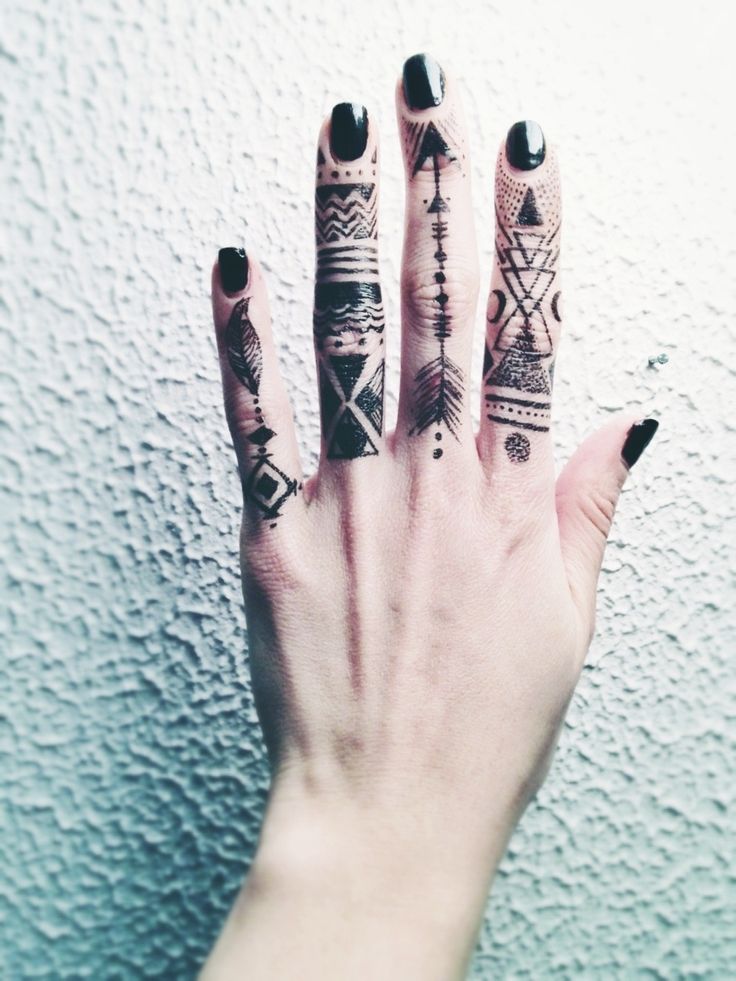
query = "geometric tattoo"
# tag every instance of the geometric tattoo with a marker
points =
(439, 386)
(348, 308)
(524, 310)
(265, 485)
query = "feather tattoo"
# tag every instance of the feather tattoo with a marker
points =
(243, 347)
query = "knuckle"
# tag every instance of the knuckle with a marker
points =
(273, 564)
(455, 293)
(241, 412)
(598, 507)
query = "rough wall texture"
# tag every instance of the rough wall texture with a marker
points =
(138, 138)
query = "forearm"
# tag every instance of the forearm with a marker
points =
(371, 895)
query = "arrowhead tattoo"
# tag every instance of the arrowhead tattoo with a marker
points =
(433, 145)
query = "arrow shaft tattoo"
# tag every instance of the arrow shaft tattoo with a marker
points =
(439, 389)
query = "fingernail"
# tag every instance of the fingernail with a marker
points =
(348, 130)
(233, 265)
(424, 82)
(639, 437)
(525, 147)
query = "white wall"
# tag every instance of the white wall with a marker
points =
(139, 137)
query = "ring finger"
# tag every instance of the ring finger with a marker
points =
(524, 313)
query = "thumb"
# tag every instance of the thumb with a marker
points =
(587, 494)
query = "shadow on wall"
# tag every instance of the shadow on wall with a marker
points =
(135, 774)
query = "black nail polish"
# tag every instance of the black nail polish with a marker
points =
(348, 130)
(233, 265)
(639, 437)
(525, 146)
(424, 82)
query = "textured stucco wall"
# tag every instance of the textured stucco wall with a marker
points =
(139, 136)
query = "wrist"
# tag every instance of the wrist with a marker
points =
(358, 885)
(407, 867)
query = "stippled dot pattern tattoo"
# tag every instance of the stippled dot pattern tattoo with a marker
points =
(348, 308)
(524, 306)
(518, 447)
(265, 485)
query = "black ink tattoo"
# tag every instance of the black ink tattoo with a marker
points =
(429, 141)
(440, 384)
(438, 395)
(501, 301)
(264, 485)
(528, 214)
(517, 369)
(244, 347)
(556, 308)
(518, 447)
(345, 211)
(268, 487)
(348, 308)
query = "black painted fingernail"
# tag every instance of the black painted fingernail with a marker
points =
(424, 82)
(233, 265)
(639, 437)
(348, 130)
(525, 147)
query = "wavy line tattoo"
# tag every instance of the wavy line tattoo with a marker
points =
(348, 308)
(265, 485)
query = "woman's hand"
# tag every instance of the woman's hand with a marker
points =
(420, 609)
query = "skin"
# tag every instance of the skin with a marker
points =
(417, 624)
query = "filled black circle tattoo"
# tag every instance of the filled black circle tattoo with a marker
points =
(518, 447)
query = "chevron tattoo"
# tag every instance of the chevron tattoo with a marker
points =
(348, 307)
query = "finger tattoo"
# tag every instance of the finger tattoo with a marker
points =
(524, 312)
(439, 386)
(264, 484)
(348, 307)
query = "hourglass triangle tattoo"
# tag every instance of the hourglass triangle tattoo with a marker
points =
(519, 366)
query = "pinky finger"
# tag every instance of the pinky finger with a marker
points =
(256, 404)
